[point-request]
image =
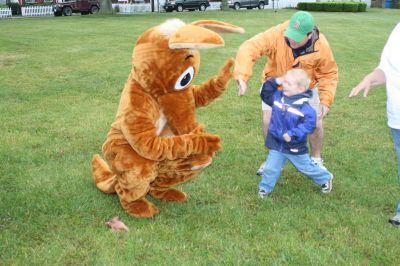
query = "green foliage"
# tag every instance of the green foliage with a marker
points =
(302, 5)
(38, 4)
(15, 8)
(60, 84)
(333, 6)
(362, 7)
(318, 6)
(311, 6)
(350, 7)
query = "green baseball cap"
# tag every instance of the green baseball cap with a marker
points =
(300, 24)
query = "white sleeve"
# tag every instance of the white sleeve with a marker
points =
(390, 51)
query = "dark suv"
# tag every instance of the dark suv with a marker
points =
(191, 5)
(249, 4)
(67, 7)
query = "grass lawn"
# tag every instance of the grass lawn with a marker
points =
(60, 83)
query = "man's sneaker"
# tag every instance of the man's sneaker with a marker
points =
(327, 187)
(395, 220)
(318, 161)
(261, 169)
(263, 194)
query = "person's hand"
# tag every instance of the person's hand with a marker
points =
(323, 109)
(286, 137)
(242, 86)
(364, 85)
(279, 80)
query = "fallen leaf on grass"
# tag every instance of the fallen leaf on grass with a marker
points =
(116, 225)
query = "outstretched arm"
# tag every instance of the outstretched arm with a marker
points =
(214, 87)
(262, 44)
(376, 77)
(268, 89)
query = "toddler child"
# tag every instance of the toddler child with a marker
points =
(291, 121)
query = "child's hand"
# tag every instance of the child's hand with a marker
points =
(279, 80)
(286, 137)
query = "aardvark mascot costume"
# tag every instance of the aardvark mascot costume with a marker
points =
(155, 142)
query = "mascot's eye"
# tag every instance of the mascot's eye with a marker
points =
(184, 79)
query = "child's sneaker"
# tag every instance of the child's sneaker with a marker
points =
(261, 169)
(395, 220)
(327, 187)
(263, 194)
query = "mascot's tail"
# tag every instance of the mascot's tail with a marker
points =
(104, 178)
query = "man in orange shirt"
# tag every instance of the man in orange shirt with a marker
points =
(293, 44)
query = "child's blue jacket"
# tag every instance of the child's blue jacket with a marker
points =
(292, 115)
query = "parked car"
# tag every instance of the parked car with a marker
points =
(67, 7)
(249, 4)
(191, 5)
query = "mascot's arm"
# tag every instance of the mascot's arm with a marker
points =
(211, 89)
(139, 130)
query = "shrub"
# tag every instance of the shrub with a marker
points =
(310, 6)
(302, 6)
(39, 4)
(319, 6)
(362, 7)
(15, 8)
(333, 6)
(350, 7)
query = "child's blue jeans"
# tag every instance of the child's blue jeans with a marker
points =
(396, 140)
(275, 162)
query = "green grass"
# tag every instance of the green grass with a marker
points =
(60, 83)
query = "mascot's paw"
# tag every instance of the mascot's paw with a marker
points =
(226, 69)
(213, 144)
(205, 143)
(198, 129)
(169, 194)
(142, 208)
(225, 73)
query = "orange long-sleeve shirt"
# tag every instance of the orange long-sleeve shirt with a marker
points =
(319, 63)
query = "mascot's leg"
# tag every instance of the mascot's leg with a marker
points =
(104, 178)
(135, 174)
(175, 172)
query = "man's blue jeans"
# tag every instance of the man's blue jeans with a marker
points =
(396, 140)
(275, 162)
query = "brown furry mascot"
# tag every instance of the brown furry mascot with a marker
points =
(155, 142)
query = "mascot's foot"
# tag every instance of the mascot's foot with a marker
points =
(141, 208)
(169, 194)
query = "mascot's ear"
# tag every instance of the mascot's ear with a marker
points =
(201, 34)
(218, 26)
(194, 37)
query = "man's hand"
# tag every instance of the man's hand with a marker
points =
(242, 86)
(323, 110)
(286, 137)
(364, 85)
(376, 77)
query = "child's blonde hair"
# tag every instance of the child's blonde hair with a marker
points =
(300, 77)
